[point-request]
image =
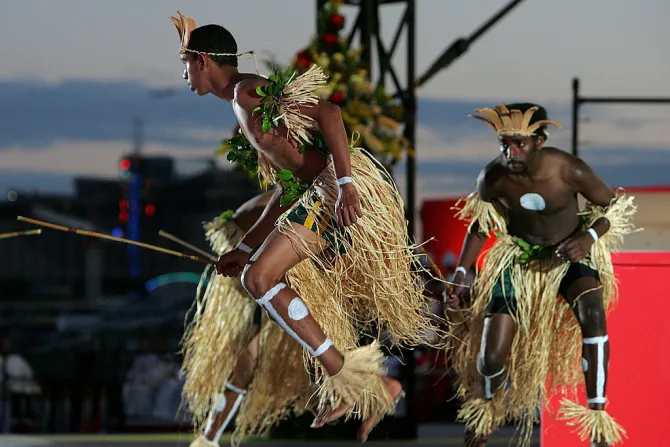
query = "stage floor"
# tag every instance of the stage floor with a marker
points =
(434, 435)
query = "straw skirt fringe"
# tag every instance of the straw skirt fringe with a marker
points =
(372, 283)
(545, 354)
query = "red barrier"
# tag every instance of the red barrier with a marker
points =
(440, 222)
(639, 334)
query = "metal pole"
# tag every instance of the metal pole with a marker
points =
(368, 13)
(410, 134)
(410, 117)
(575, 116)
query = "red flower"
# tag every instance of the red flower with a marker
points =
(303, 54)
(330, 39)
(337, 21)
(302, 63)
(337, 98)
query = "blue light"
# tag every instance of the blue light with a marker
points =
(117, 232)
(171, 278)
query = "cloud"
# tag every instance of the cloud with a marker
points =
(90, 158)
(37, 115)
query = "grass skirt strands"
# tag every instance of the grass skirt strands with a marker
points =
(546, 351)
(372, 283)
(219, 333)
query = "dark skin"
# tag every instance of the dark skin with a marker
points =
(277, 253)
(526, 166)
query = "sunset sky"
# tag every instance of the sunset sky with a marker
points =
(76, 72)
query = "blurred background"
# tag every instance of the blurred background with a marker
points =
(98, 131)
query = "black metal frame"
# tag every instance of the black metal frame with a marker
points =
(578, 100)
(367, 28)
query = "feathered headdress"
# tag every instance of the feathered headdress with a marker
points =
(185, 25)
(512, 122)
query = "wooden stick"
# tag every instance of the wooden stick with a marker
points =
(174, 238)
(113, 238)
(20, 233)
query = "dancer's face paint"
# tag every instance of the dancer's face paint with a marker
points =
(517, 150)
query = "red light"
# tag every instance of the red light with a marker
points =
(125, 164)
(123, 216)
(123, 204)
(150, 209)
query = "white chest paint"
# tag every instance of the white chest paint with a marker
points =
(532, 202)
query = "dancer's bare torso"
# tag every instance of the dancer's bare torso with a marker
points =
(542, 207)
(274, 145)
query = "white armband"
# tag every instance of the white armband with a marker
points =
(244, 247)
(593, 234)
(344, 180)
(461, 269)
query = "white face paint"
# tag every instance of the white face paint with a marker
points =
(532, 202)
(297, 310)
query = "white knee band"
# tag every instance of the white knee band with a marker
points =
(219, 406)
(600, 359)
(297, 310)
(488, 393)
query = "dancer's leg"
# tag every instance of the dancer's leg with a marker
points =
(585, 296)
(264, 279)
(228, 403)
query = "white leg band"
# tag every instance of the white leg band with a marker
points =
(234, 389)
(488, 393)
(220, 406)
(600, 377)
(264, 301)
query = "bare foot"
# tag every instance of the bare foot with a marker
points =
(328, 416)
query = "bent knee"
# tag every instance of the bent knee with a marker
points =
(491, 362)
(256, 281)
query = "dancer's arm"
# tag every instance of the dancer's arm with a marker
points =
(266, 222)
(475, 239)
(582, 178)
(329, 118)
(593, 188)
(472, 245)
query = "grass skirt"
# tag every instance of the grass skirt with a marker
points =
(546, 351)
(219, 333)
(372, 283)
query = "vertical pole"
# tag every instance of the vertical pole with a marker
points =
(368, 12)
(575, 116)
(319, 7)
(410, 134)
(410, 114)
